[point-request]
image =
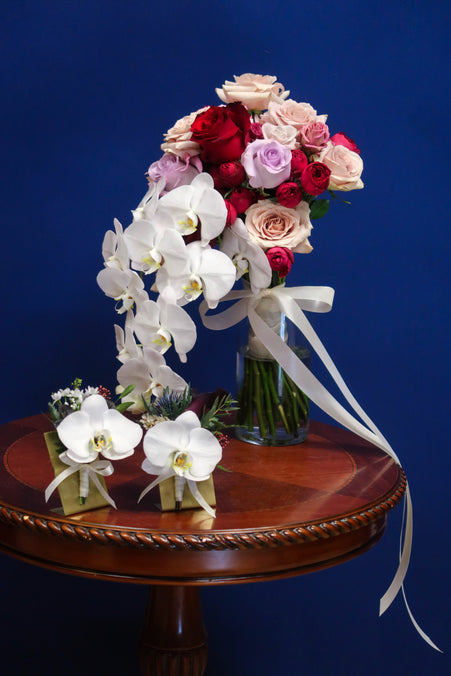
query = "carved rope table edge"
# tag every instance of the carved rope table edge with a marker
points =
(227, 540)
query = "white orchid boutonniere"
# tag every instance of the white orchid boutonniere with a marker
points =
(185, 450)
(184, 440)
(88, 428)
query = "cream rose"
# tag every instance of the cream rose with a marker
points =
(270, 224)
(284, 134)
(292, 113)
(345, 165)
(178, 138)
(253, 91)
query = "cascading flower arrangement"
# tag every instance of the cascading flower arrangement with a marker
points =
(233, 196)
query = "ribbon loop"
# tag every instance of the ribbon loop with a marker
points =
(87, 471)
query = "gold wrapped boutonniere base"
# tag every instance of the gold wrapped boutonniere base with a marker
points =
(167, 495)
(69, 489)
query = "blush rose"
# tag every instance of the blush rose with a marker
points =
(345, 166)
(271, 225)
(292, 113)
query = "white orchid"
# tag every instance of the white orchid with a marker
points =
(95, 429)
(207, 271)
(147, 206)
(125, 286)
(246, 256)
(159, 323)
(114, 248)
(150, 242)
(150, 375)
(196, 204)
(125, 339)
(184, 449)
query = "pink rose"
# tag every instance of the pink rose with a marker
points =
(267, 163)
(341, 139)
(345, 166)
(280, 259)
(289, 194)
(314, 136)
(271, 225)
(292, 113)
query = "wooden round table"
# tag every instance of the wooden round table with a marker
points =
(280, 512)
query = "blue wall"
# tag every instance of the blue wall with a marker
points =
(88, 89)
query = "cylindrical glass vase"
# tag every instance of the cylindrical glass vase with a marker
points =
(273, 410)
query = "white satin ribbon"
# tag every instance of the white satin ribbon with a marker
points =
(192, 485)
(87, 471)
(292, 302)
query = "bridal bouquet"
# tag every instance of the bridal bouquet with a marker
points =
(233, 196)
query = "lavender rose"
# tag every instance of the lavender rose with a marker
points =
(175, 171)
(267, 163)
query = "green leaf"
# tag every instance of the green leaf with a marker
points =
(127, 390)
(318, 209)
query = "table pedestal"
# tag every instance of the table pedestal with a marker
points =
(174, 640)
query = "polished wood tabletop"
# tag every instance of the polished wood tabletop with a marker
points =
(280, 512)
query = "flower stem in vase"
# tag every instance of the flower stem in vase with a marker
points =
(273, 411)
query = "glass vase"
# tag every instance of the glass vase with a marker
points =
(273, 410)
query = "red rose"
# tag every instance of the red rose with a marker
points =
(242, 198)
(341, 139)
(222, 132)
(315, 178)
(280, 259)
(298, 163)
(228, 175)
(231, 213)
(289, 194)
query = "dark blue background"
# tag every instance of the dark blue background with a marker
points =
(88, 89)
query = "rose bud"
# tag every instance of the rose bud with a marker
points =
(255, 131)
(289, 194)
(298, 163)
(315, 178)
(228, 175)
(280, 259)
(242, 198)
(341, 139)
(231, 213)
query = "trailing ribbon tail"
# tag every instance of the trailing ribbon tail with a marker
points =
(317, 299)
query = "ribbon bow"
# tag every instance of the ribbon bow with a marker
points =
(292, 301)
(87, 471)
